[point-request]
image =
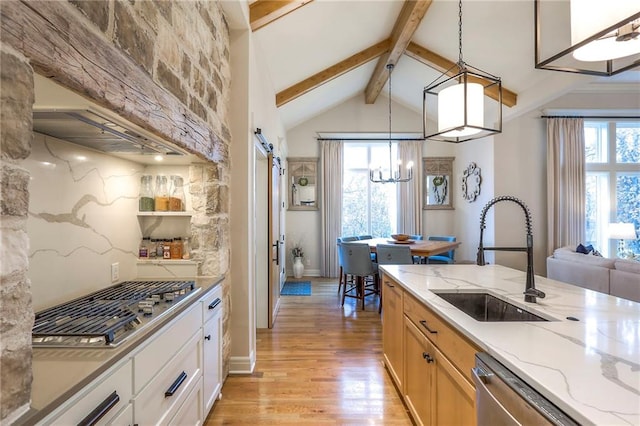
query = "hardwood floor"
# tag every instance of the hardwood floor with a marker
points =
(321, 364)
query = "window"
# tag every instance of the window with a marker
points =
(367, 208)
(612, 153)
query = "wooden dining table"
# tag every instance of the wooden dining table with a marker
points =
(418, 247)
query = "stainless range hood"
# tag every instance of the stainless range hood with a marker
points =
(92, 130)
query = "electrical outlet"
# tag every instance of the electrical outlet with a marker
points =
(115, 272)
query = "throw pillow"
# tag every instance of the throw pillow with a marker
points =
(584, 250)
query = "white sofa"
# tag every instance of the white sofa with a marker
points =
(617, 277)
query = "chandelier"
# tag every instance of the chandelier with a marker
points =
(459, 97)
(375, 175)
(592, 37)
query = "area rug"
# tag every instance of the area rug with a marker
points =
(296, 288)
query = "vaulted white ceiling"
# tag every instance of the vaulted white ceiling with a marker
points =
(498, 37)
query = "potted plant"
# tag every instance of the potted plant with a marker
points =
(298, 266)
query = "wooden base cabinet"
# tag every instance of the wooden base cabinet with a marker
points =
(392, 329)
(433, 359)
(419, 374)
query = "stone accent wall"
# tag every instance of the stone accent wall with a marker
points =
(16, 313)
(162, 65)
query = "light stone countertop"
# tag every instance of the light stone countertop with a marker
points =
(59, 373)
(589, 368)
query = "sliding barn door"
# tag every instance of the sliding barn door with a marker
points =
(275, 238)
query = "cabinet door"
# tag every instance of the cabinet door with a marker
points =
(392, 315)
(212, 360)
(419, 357)
(455, 396)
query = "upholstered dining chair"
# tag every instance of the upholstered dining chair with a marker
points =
(357, 263)
(444, 258)
(391, 254)
(343, 277)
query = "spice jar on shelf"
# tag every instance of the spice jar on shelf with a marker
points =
(162, 194)
(146, 202)
(176, 197)
(176, 248)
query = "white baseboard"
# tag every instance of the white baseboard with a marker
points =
(242, 364)
(307, 273)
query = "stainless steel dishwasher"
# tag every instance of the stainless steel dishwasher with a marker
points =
(502, 398)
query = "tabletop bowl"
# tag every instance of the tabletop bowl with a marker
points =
(400, 237)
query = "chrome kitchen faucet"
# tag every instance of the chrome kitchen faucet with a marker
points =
(530, 292)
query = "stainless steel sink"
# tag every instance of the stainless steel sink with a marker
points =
(486, 307)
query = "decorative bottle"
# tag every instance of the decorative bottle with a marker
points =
(162, 194)
(176, 198)
(146, 201)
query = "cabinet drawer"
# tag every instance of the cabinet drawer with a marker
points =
(151, 359)
(191, 411)
(154, 404)
(110, 396)
(211, 304)
(427, 322)
(455, 346)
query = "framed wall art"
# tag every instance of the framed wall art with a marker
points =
(437, 187)
(471, 181)
(303, 183)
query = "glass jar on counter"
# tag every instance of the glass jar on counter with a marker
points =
(162, 194)
(146, 201)
(176, 197)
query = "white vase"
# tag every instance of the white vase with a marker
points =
(298, 267)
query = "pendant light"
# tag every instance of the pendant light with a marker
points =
(603, 38)
(459, 97)
(375, 175)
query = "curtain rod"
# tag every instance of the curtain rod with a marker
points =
(592, 116)
(371, 139)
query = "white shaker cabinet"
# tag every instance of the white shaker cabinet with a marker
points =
(212, 348)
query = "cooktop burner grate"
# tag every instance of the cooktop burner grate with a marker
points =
(100, 316)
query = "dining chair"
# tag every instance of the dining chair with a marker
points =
(343, 277)
(443, 258)
(391, 254)
(356, 262)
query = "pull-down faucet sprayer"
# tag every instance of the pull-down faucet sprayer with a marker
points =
(530, 292)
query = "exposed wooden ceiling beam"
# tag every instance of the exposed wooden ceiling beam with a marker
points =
(263, 12)
(442, 64)
(332, 72)
(410, 17)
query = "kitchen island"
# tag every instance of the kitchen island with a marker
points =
(589, 368)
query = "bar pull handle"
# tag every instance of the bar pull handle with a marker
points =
(215, 303)
(427, 357)
(174, 387)
(424, 324)
(207, 337)
(276, 245)
(100, 410)
(388, 284)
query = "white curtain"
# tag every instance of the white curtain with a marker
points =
(565, 182)
(332, 165)
(409, 205)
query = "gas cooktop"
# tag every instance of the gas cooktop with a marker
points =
(108, 317)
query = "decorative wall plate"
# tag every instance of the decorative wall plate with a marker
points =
(471, 181)
(303, 181)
